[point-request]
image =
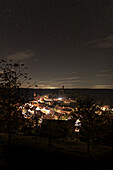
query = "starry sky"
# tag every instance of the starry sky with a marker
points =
(62, 42)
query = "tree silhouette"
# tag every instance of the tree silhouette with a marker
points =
(54, 129)
(86, 109)
(107, 127)
(12, 77)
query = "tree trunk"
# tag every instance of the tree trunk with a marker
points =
(88, 145)
(49, 143)
(9, 138)
(9, 133)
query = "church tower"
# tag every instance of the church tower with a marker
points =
(61, 92)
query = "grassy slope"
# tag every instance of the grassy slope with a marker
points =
(26, 152)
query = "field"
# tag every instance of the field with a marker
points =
(28, 152)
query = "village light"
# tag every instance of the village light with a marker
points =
(78, 123)
(60, 98)
(37, 108)
(77, 130)
(48, 111)
(103, 108)
(44, 110)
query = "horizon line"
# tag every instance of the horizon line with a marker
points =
(70, 88)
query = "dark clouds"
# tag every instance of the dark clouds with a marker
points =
(58, 38)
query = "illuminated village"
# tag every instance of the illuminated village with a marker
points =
(54, 107)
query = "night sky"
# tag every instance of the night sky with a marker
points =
(63, 42)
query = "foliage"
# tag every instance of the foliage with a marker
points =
(90, 120)
(12, 77)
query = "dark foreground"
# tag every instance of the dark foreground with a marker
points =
(28, 156)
